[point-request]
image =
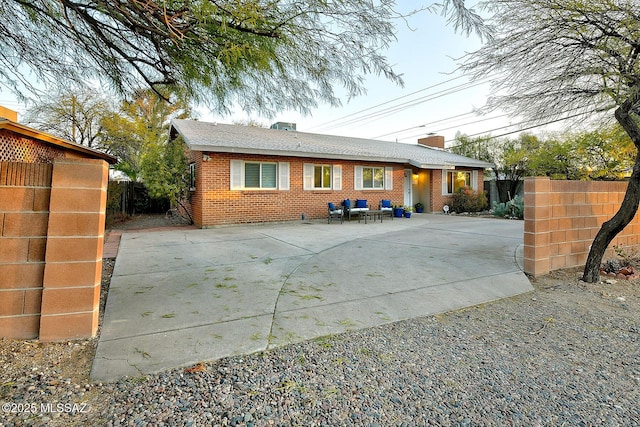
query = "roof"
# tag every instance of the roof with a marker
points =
(213, 137)
(53, 140)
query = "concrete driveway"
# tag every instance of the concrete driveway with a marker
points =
(180, 297)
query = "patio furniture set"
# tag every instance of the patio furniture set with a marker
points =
(359, 209)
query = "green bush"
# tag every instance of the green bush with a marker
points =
(514, 208)
(468, 200)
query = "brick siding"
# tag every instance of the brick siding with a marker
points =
(214, 203)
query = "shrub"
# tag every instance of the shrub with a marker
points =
(468, 200)
(514, 208)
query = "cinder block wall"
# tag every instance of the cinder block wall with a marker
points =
(563, 217)
(25, 190)
(51, 238)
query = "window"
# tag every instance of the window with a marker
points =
(322, 177)
(192, 176)
(372, 177)
(260, 175)
(456, 180)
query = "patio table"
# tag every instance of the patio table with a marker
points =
(372, 214)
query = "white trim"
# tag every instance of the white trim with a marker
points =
(357, 178)
(388, 178)
(236, 178)
(337, 177)
(283, 176)
(445, 176)
(474, 180)
(307, 178)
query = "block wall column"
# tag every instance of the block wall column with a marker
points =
(73, 261)
(537, 219)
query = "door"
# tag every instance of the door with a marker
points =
(408, 184)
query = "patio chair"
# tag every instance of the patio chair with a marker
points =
(386, 208)
(361, 208)
(334, 213)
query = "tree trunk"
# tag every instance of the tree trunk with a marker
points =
(615, 225)
(629, 206)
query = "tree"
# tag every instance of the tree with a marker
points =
(165, 169)
(562, 58)
(263, 55)
(72, 115)
(139, 127)
(508, 156)
(606, 153)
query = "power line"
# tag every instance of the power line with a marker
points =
(385, 103)
(486, 119)
(522, 129)
(401, 107)
(423, 125)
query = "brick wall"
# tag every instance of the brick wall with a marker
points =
(51, 237)
(563, 217)
(214, 203)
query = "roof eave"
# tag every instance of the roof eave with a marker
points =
(50, 139)
(284, 153)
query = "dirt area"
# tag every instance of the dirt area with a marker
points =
(35, 373)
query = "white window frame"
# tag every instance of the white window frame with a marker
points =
(447, 173)
(387, 178)
(237, 176)
(261, 184)
(309, 175)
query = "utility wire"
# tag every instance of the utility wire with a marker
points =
(573, 116)
(401, 107)
(423, 125)
(384, 103)
(486, 119)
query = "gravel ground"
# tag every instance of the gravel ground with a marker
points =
(566, 354)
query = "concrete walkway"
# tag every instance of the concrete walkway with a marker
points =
(183, 296)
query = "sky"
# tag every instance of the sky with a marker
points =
(435, 99)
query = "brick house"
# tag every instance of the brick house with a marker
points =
(52, 213)
(243, 174)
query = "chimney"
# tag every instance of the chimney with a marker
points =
(433, 141)
(8, 114)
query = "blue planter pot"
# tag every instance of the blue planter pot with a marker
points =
(398, 212)
(407, 214)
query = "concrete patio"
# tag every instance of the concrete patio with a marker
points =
(182, 296)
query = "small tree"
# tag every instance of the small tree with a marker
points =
(165, 169)
(138, 126)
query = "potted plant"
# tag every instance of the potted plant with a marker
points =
(419, 207)
(398, 211)
(407, 211)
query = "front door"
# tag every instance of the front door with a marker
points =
(408, 184)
